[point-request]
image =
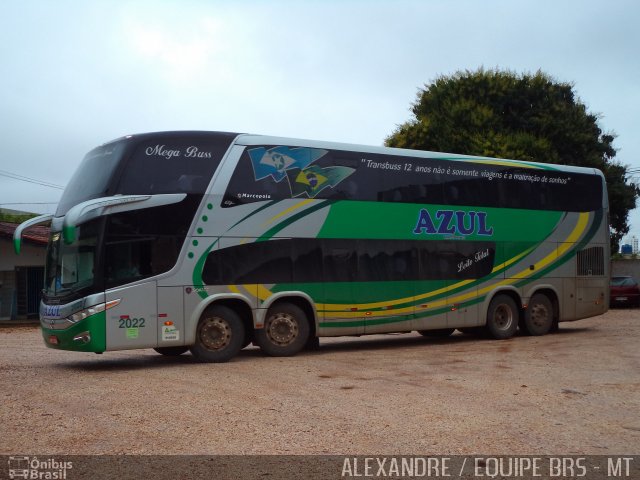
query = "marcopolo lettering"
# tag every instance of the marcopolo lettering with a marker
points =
(452, 222)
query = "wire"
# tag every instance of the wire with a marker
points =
(29, 203)
(22, 178)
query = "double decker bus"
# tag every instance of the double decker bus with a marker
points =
(208, 241)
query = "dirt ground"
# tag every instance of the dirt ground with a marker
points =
(573, 392)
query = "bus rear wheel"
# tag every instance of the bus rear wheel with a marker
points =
(538, 317)
(219, 336)
(502, 317)
(286, 331)
(171, 351)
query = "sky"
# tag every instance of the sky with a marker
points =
(76, 74)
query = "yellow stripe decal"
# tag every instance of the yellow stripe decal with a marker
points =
(287, 211)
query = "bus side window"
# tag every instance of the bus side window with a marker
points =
(340, 261)
(385, 260)
(307, 260)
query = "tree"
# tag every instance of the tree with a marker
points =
(527, 117)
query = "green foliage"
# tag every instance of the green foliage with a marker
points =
(16, 218)
(526, 117)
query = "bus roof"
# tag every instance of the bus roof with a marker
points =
(252, 139)
(247, 139)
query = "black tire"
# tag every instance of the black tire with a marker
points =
(440, 332)
(538, 317)
(286, 331)
(248, 338)
(171, 351)
(313, 344)
(219, 335)
(502, 317)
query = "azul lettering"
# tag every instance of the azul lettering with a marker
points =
(450, 222)
(51, 311)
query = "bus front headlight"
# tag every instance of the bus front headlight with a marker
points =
(87, 312)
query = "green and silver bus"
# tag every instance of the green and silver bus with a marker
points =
(210, 241)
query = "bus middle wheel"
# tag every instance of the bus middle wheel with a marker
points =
(502, 317)
(219, 336)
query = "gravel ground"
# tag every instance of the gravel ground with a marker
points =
(573, 392)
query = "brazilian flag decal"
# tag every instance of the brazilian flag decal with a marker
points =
(312, 180)
(277, 160)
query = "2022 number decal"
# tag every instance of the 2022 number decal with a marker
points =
(131, 323)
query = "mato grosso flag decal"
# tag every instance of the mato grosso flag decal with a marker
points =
(295, 164)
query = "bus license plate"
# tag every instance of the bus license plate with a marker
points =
(622, 299)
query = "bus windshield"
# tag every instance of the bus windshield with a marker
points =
(93, 176)
(70, 268)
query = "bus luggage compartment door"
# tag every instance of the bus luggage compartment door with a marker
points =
(133, 323)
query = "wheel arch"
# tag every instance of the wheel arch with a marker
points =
(508, 290)
(297, 298)
(552, 294)
(238, 303)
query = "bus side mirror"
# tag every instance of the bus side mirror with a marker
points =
(17, 235)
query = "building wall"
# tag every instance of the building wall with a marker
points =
(7, 293)
(31, 256)
(626, 267)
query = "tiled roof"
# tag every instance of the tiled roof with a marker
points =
(37, 234)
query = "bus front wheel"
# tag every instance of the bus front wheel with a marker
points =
(538, 317)
(502, 317)
(286, 331)
(219, 336)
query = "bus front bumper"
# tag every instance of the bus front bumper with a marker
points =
(87, 335)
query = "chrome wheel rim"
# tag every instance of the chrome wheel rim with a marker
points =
(215, 333)
(503, 317)
(282, 329)
(538, 314)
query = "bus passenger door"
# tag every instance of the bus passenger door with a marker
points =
(133, 322)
